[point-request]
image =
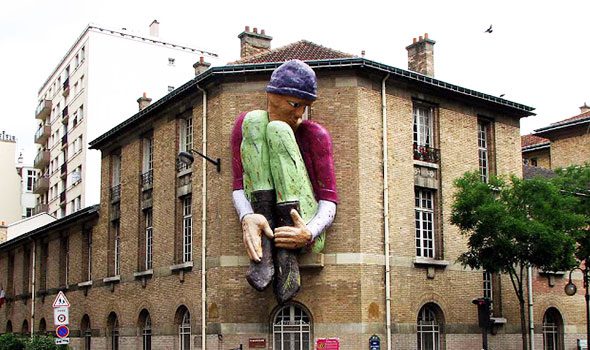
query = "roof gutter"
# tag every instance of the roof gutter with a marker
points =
(547, 129)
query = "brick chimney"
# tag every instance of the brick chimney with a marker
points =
(3, 232)
(143, 102)
(155, 28)
(421, 56)
(584, 108)
(201, 66)
(252, 42)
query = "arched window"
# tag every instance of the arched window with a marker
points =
(25, 328)
(9, 326)
(183, 320)
(113, 329)
(430, 327)
(42, 327)
(145, 328)
(86, 332)
(552, 330)
(291, 328)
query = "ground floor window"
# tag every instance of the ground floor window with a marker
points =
(86, 332)
(113, 325)
(291, 328)
(184, 328)
(145, 324)
(552, 330)
(429, 327)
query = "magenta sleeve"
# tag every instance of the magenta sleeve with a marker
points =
(235, 143)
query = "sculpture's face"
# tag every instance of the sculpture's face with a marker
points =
(288, 109)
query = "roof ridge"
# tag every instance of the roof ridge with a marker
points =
(245, 60)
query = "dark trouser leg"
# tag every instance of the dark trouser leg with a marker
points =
(260, 274)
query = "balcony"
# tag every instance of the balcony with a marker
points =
(42, 159)
(66, 87)
(43, 110)
(64, 112)
(64, 170)
(147, 180)
(62, 198)
(115, 193)
(41, 208)
(426, 154)
(42, 134)
(64, 141)
(41, 185)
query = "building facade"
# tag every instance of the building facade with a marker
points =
(10, 181)
(92, 89)
(163, 265)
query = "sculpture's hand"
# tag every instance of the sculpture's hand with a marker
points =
(253, 225)
(293, 237)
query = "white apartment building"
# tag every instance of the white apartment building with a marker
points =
(10, 182)
(28, 200)
(94, 88)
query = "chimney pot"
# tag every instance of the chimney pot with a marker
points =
(252, 43)
(585, 108)
(143, 102)
(155, 28)
(255, 30)
(247, 29)
(421, 55)
(201, 66)
(262, 32)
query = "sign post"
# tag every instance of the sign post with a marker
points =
(61, 318)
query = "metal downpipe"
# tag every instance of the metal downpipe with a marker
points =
(386, 214)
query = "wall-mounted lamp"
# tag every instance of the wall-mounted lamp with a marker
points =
(188, 158)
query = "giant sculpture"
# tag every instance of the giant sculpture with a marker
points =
(283, 180)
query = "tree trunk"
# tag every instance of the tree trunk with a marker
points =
(523, 325)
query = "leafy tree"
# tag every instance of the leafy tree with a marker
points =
(10, 341)
(41, 342)
(513, 224)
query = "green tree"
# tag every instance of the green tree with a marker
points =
(42, 342)
(10, 341)
(513, 224)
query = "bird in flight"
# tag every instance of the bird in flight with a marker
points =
(489, 30)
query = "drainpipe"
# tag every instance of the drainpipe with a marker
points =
(33, 289)
(204, 223)
(531, 320)
(386, 215)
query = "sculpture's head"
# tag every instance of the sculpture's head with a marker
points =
(292, 88)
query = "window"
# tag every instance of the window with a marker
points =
(424, 219)
(81, 112)
(9, 326)
(31, 177)
(25, 328)
(113, 331)
(482, 145)
(87, 254)
(423, 126)
(145, 324)
(291, 328)
(29, 212)
(171, 61)
(117, 248)
(82, 53)
(116, 170)
(77, 203)
(42, 327)
(187, 229)
(487, 285)
(148, 162)
(86, 333)
(183, 317)
(186, 134)
(26, 269)
(553, 330)
(64, 261)
(429, 327)
(77, 60)
(148, 239)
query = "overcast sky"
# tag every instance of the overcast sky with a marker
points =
(538, 53)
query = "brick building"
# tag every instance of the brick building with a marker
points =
(134, 274)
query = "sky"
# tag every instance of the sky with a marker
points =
(537, 55)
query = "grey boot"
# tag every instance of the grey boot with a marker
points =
(260, 274)
(287, 280)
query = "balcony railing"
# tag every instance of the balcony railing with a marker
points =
(62, 197)
(64, 112)
(42, 134)
(43, 109)
(147, 179)
(41, 184)
(426, 154)
(41, 208)
(64, 140)
(180, 166)
(66, 87)
(116, 193)
(64, 170)
(42, 159)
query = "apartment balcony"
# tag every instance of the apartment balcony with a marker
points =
(426, 154)
(41, 185)
(115, 193)
(42, 134)
(66, 87)
(147, 180)
(64, 170)
(64, 141)
(43, 110)
(42, 159)
(65, 113)
(41, 208)
(62, 198)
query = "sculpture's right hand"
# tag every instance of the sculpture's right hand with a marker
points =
(253, 225)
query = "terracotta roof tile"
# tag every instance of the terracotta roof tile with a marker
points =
(303, 50)
(531, 140)
(574, 118)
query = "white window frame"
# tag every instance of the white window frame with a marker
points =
(551, 331)
(424, 219)
(423, 126)
(149, 237)
(428, 329)
(116, 173)
(184, 331)
(187, 229)
(148, 154)
(291, 329)
(146, 333)
(186, 134)
(488, 285)
(117, 247)
(483, 150)
(31, 179)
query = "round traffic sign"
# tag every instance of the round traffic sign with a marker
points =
(61, 318)
(62, 331)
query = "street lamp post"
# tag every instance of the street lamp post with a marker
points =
(570, 289)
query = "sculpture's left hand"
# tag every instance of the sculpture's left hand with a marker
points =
(293, 237)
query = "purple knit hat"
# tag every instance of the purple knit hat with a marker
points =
(294, 78)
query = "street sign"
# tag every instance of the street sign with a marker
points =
(374, 342)
(327, 344)
(61, 316)
(61, 300)
(62, 331)
(62, 341)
